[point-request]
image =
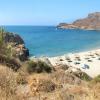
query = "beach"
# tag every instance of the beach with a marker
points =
(88, 61)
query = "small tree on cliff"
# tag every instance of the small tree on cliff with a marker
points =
(1, 37)
(4, 50)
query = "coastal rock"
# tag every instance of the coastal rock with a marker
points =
(92, 22)
(17, 45)
(22, 52)
(15, 38)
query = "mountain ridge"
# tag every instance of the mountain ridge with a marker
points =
(91, 22)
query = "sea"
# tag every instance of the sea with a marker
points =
(50, 41)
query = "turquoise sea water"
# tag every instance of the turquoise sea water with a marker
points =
(49, 41)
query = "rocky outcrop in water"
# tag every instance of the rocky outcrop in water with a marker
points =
(92, 22)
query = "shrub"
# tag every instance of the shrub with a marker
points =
(10, 62)
(38, 67)
(5, 48)
(83, 76)
(1, 36)
(13, 63)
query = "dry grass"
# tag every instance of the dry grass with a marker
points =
(53, 86)
(7, 84)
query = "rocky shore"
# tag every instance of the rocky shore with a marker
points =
(92, 22)
(14, 44)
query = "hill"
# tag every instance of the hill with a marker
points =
(91, 22)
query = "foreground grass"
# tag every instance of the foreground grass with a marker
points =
(43, 86)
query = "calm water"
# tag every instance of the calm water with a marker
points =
(48, 41)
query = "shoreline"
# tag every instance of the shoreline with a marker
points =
(75, 52)
(67, 53)
(89, 58)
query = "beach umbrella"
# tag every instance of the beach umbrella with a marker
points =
(85, 66)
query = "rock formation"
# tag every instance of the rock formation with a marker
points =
(16, 45)
(15, 38)
(92, 22)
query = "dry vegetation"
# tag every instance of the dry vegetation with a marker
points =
(57, 85)
(38, 67)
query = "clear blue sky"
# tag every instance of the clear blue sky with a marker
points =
(45, 12)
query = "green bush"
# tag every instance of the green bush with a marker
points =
(83, 76)
(38, 67)
(4, 50)
(1, 35)
(1, 39)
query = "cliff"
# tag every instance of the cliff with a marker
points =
(13, 45)
(91, 22)
(11, 37)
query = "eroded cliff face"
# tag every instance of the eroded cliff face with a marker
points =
(15, 45)
(92, 22)
(11, 37)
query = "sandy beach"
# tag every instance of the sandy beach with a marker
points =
(88, 62)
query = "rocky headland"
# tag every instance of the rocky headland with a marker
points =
(13, 45)
(91, 22)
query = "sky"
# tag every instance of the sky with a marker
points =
(45, 12)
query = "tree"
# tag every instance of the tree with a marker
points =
(3, 46)
(2, 31)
